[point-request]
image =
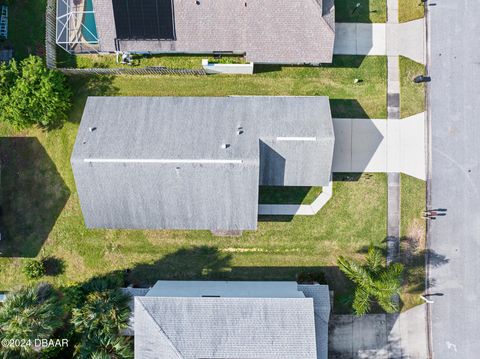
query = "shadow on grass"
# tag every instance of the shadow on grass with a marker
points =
(33, 195)
(88, 85)
(54, 266)
(209, 263)
(338, 61)
(353, 11)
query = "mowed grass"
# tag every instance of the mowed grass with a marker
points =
(412, 232)
(412, 95)
(365, 99)
(368, 11)
(26, 27)
(110, 61)
(409, 10)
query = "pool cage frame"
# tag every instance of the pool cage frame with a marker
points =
(70, 27)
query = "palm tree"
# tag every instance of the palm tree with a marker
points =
(106, 347)
(374, 281)
(30, 313)
(103, 313)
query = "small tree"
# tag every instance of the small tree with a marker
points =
(32, 94)
(374, 281)
(99, 321)
(107, 347)
(29, 313)
(34, 269)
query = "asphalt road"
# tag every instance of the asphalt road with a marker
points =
(454, 94)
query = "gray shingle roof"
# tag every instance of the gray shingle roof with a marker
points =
(158, 162)
(269, 31)
(229, 327)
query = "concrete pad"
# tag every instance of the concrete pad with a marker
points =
(369, 145)
(391, 39)
(413, 144)
(359, 39)
(407, 39)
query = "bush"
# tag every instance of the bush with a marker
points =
(32, 95)
(29, 313)
(34, 269)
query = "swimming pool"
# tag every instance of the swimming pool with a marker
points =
(89, 35)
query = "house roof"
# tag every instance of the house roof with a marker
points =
(196, 162)
(188, 327)
(269, 31)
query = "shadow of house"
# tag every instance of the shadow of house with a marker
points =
(347, 108)
(33, 195)
(210, 263)
(359, 146)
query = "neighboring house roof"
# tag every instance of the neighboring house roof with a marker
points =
(196, 162)
(251, 326)
(268, 31)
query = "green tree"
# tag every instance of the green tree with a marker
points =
(107, 347)
(33, 95)
(373, 281)
(30, 313)
(98, 322)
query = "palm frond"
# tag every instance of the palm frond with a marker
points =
(361, 302)
(355, 272)
(375, 260)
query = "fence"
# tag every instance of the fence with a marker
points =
(50, 35)
(153, 70)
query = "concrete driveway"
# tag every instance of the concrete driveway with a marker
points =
(367, 145)
(382, 39)
(379, 336)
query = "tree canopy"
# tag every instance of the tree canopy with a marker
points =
(31, 94)
(374, 281)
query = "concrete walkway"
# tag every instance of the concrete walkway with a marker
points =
(298, 209)
(390, 39)
(367, 145)
(378, 336)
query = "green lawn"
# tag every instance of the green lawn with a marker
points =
(412, 232)
(109, 61)
(409, 10)
(369, 11)
(364, 99)
(412, 95)
(26, 27)
(288, 195)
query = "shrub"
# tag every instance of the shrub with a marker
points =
(34, 268)
(32, 95)
(29, 313)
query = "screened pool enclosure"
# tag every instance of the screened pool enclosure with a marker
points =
(76, 27)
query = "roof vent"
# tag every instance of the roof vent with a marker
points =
(197, 2)
(239, 132)
(91, 129)
(225, 145)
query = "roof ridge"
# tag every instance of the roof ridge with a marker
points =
(161, 331)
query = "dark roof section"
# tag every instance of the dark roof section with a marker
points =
(144, 19)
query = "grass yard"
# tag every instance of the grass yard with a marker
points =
(109, 61)
(288, 195)
(366, 99)
(26, 27)
(412, 232)
(409, 10)
(412, 95)
(369, 11)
